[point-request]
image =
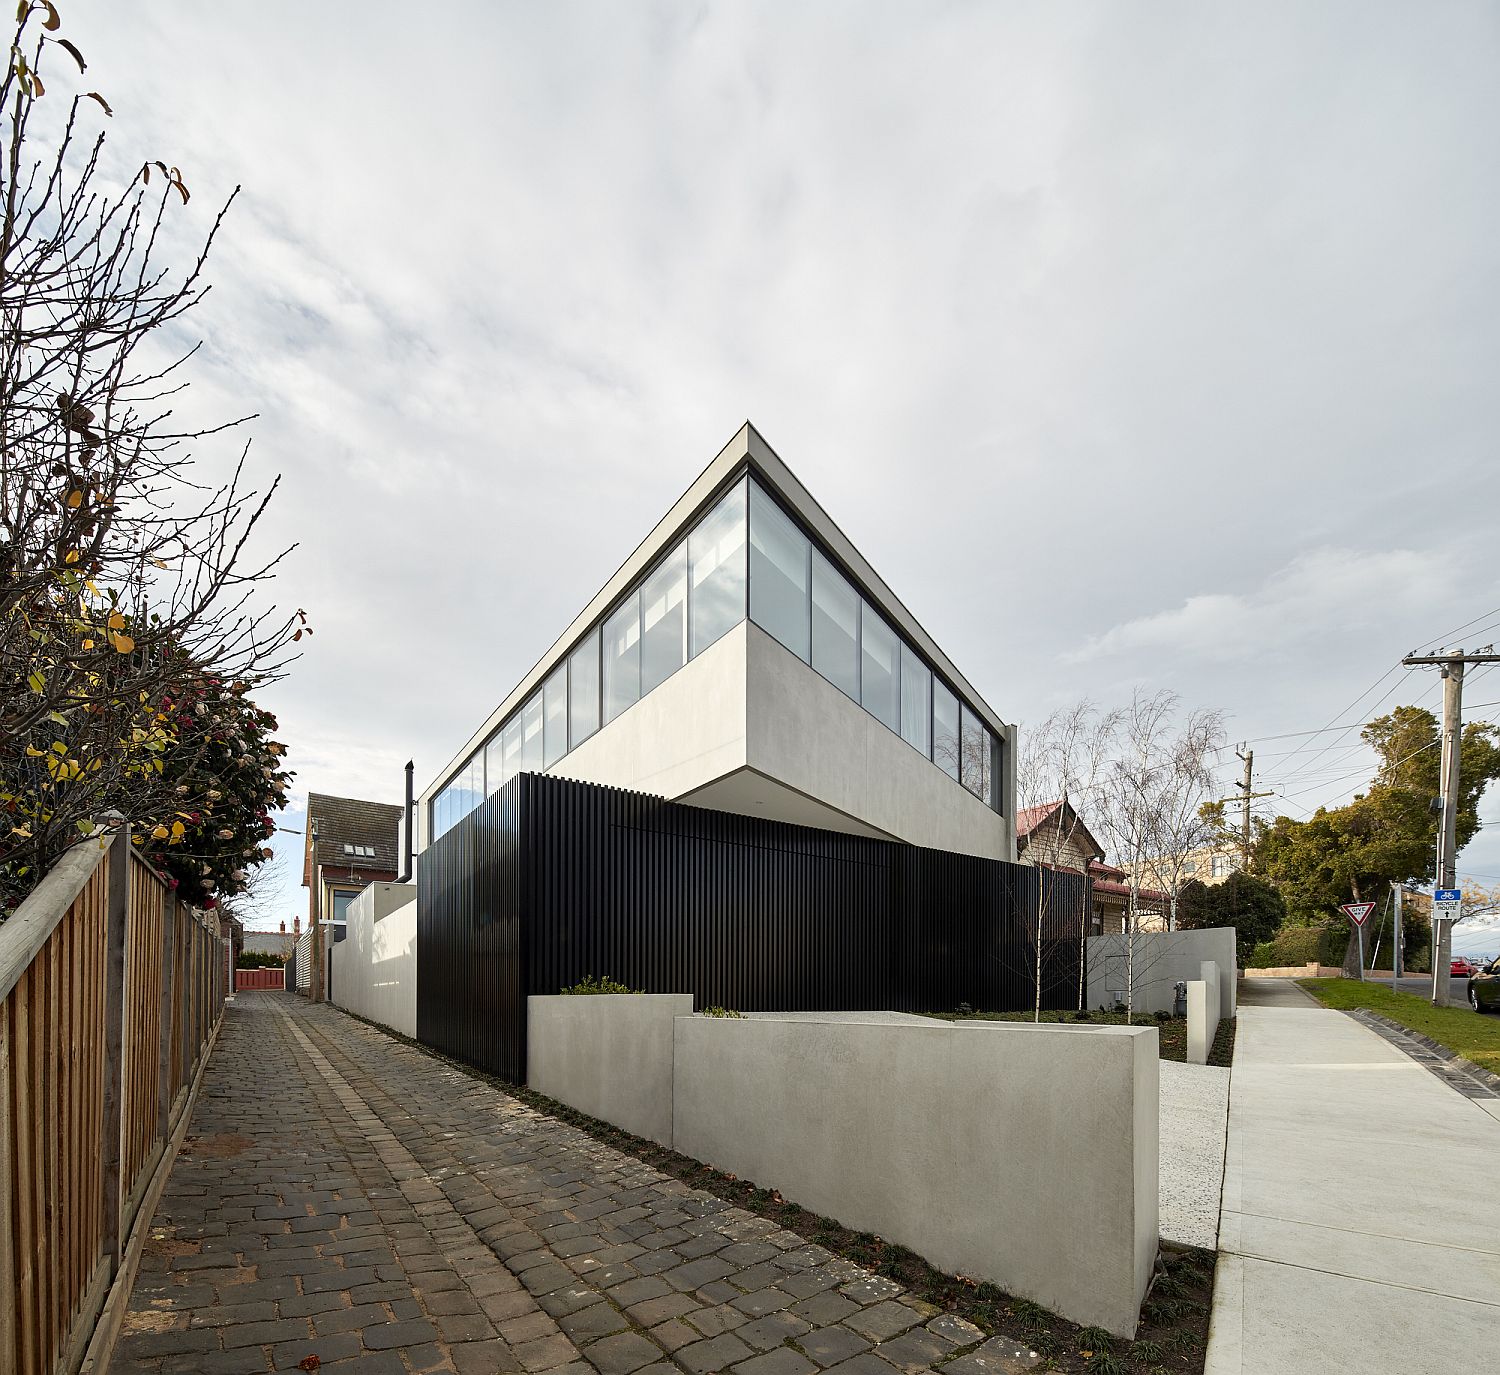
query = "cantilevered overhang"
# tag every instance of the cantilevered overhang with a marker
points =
(746, 451)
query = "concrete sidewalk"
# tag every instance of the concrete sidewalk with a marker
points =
(1360, 1224)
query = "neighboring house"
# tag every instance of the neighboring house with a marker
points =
(747, 658)
(1054, 835)
(1208, 864)
(279, 942)
(1111, 887)
(350, 843)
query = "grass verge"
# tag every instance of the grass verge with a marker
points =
(1173, 1334)
(1462, 1030)
(1171, 1042)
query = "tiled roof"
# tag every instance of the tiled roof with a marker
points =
(370, 831)
(1029, 818)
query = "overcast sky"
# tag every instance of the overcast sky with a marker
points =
(1133, 343)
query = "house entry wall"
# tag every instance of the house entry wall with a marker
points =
(550, 880)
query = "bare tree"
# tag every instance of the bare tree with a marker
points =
(1155, 784)
(1060, 767)
(122, 576)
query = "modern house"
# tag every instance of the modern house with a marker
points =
(745, 772)
(747, 658)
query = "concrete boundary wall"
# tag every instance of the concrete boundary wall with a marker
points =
(1302, 971)
(609, 1055)
(1203, 1003)
(375, 965)
(1162, 959)
(1022, 1154)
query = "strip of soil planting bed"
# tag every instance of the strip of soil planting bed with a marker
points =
(1173, 1333)
(1171, 1041)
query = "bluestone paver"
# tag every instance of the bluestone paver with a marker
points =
(345, 1196)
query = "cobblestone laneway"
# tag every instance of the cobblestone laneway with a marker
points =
(345, 1197)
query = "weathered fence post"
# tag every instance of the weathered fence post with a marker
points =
(8, 1285)
(164, 1068)
(115, 922)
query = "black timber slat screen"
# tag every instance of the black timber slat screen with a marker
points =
(551, 880)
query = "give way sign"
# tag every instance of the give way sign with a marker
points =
(1357, 912)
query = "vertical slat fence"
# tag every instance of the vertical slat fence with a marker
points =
(91, 1084)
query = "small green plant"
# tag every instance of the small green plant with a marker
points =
(1100, 1362)
(1083, 1015)
(964, 1010)
(1028, 1314)
(721, 1012)
(1094, 1339)
(1152, 1353)
(604, 984)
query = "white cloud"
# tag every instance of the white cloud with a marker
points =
(1344, 594)
(1174, 320)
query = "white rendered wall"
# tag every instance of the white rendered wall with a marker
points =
(375, 965)
(804, 733)
(1024, 1155)
(684, 733)
(1161, 959)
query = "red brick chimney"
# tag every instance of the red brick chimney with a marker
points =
(283, 928)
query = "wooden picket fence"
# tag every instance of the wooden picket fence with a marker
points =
(111, 993)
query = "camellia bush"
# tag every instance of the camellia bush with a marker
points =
(225, 771)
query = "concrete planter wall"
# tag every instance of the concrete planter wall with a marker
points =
(609, 1055)
(1162, 958)
(1024, 1155)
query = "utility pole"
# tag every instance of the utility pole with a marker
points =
(1249, 758)
(1451, 664)
(1244, 799)
(1397, 891)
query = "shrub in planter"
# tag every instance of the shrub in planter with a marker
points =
(603, 984)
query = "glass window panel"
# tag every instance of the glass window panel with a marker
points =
(555, 716)
(664, 620)
(510, 749)
(440, 814)
(531, 736)
(716, 560)
(974, 753)
(494, 768)
(583, 691)
(944, 730)
(916, 700)
(341, 903)
(879, 668)
(622, 658)
(835, 627)
(779, 575)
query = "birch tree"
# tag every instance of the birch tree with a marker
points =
(1063, 762)
(1156, 780)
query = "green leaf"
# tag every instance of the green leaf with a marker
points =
(36, 682)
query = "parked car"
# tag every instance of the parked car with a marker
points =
(1484, 988)
(1461, 968)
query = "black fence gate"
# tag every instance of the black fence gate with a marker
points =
(550, 880)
